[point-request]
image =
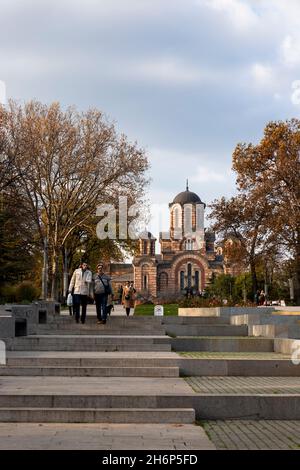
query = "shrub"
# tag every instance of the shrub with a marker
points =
(26, 292)
(8, 294)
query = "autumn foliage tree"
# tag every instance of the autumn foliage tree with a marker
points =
(266, 211)
(67, 163)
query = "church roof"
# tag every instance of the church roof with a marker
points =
(146, 235)
(187, 197)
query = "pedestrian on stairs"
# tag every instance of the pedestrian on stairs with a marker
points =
(128, 299)
(81, 282)
(102, 289)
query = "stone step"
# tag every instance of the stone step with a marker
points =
(212, 405)
(176, 320)
(90, 343)
(97, 330)
(81, 371)
(193, 363)
(207, 330)
(238, 367)
(97, 415)
(222, 344)
(115, 320)
(91, 359)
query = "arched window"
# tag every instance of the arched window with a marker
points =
(187, 220)
(197, 280)
(189, 244)
(144, 247)
(145, 282)
(177, 218)
(163, 282)
(181, 280)
(200, 216)
(189, 275)
(153, 248)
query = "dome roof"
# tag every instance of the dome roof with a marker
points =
(187, 197)
(146, 236)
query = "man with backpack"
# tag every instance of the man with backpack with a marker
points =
(102, 289)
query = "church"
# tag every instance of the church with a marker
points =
(188, 257)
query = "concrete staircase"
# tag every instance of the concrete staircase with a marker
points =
(74, 373)
(125, 372)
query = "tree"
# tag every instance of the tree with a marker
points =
(270, 172)
(18, 253)
(222, 287)
(67, 163)
(244, 218)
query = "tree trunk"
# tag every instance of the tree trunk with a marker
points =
(297, 286)
(55, 276)
(254, 278)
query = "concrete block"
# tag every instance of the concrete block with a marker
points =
(224, 311)
(288, 346)
(269, 331)
(26, 319)
(7, 325)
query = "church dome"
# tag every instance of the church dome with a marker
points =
(187, 197)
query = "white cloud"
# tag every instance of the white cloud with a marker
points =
(239, 13)
(290, 50)
(204, 174)
(168, 70)
(262, 74)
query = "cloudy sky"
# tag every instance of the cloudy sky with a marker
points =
(187, 79)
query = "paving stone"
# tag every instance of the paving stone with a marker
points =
(253, 435)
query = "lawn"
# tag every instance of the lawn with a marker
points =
(148, 309)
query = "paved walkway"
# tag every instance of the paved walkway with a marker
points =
(118, 311)
(244, 385)
(50, 436)
(234, 355)
(254, 435)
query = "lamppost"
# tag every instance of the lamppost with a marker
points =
(66, 275)
(45, 271)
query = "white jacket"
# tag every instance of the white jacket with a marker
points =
(81, 282)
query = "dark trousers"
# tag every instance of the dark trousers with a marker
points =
(101, 301)
(127, 311)
(77, 301)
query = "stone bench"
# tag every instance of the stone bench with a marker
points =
(223, 311)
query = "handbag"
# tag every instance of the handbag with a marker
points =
(70, 300)
(106, 287)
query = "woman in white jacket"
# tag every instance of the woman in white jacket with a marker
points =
(81, 282)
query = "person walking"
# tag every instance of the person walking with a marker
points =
(128, 299)
(81, 282)
(102, 289)
(262, 298)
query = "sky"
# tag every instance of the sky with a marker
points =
(187, 80)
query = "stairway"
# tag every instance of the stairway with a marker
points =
(74, 373)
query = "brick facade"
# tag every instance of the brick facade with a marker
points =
(188, 255)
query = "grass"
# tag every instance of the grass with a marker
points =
(148, 309)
